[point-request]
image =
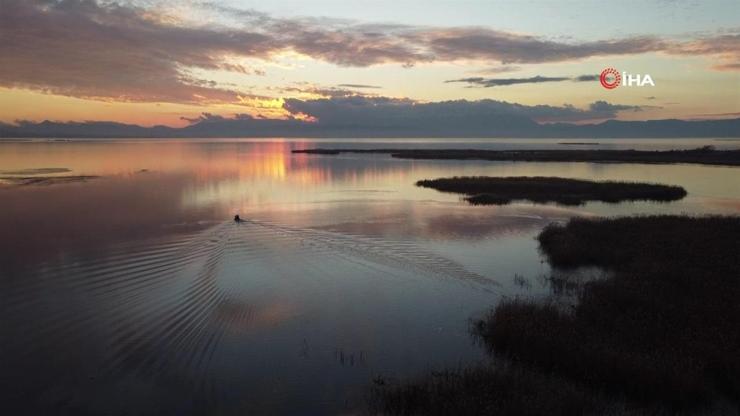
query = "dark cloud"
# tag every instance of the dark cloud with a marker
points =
(494, 82)
(82, 49)
(384, 112)
(110, 51)
(215, 118)
(361, 86)
(487, 44)
(716, 115)
(387, 117)
(500, 69)
(608, 108)
(497, 82)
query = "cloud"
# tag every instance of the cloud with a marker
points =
(82, 49)
(122, 52)
(360, 116)
(727, 66)
(353, 43)
(497, 82)
(385, 112)
(586, 78)
(715, 116)
(608, 108)
(380, 115)
(494, 82)
(500, 69)
(726, 48)
(359, 86)
(488, 44)
(206, 117)
(305, 88)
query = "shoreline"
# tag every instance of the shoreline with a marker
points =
(704, 155)
(653, 337)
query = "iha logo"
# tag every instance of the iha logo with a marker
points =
(610, 78)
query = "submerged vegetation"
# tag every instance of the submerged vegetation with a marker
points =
(35, 171)
(502, 390)
(706, 155)
(485, 190)
(660, 334)
(39, 176)
(42, 180)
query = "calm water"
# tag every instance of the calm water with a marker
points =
(135, 293)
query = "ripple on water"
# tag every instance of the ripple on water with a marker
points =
(162, 310)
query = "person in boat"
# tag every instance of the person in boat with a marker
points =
(237, 219)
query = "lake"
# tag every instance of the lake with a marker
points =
(136, 293)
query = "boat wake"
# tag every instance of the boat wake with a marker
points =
(164, 307)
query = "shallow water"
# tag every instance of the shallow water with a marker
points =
(134, 293)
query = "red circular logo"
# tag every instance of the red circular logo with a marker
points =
(610, 78)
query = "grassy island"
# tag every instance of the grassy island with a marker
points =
(485, 190)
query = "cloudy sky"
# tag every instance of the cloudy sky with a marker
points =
(154, 62)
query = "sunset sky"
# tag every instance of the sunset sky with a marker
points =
(165, 62)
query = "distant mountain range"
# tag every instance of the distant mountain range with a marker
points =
(495, 126)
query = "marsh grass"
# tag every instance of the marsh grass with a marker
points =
(43, 180)
(660, 334)
(486, 389)
(669, 316)
(487, 190)
(706, 155)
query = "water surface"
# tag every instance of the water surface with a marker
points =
(135, 293)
